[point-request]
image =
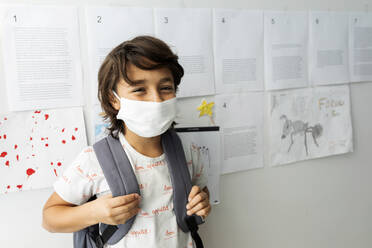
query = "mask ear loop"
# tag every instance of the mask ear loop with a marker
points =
(116, 95)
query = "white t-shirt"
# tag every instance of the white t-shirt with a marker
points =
(155, 225)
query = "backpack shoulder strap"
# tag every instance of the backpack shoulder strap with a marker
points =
(85, 238)
(181, 181)
(120, 177)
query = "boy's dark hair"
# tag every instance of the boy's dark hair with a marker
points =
(113, 69)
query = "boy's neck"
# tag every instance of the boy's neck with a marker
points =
(150, 147)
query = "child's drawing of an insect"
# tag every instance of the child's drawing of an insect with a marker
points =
(292, 128)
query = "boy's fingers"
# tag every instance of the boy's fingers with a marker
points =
(125, 208)
(194, 190)
(202, 196)
(125, 199)
(197, 207)
(122, 218)
(204, 212)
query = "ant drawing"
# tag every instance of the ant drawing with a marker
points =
(292, 128)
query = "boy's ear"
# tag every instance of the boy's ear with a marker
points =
(115, 103)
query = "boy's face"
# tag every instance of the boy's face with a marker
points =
(149, 85)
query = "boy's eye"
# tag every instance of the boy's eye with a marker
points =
(138, 90)
(167, 88)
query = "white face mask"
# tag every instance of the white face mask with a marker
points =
(147, 119)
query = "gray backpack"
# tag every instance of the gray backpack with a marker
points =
(122, 181)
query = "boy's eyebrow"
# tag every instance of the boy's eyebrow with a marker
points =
(142, 81)
(165, 79)
(137, 82)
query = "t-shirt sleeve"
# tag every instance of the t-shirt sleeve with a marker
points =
(75, 185)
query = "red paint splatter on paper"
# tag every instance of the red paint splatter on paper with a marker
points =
(19, 186)
(4, 136)
(8, 187)
(46, 144)
(55, 172)
(63, 141)
(30, 138)
(7, 163)
(15, 147)
(3, 154)
(46, 116)
(59, 163)
(63, 130)
(5, 118)
(51, 163)
(76, 128)
(30, 171)
(37, 111)
(17, 157)
(73, 137)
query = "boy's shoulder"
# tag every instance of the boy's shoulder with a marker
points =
(86, 163)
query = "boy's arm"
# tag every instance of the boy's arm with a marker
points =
(64, 217)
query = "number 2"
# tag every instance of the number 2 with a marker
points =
(99, 19)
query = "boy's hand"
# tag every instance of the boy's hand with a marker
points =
(198, 202)
(116, 210)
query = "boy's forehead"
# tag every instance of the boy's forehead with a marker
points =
(136, 74)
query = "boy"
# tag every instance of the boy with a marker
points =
(137, 90)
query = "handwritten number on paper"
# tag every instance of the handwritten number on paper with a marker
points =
(165, 19)
(223, 20)
(15, 18)
(99, 19)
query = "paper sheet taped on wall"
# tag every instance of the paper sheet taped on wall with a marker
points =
(203, 144)
(238, 50)
(329, 47)
(108, 27)
(99, 124)
(189, 34)
(360, 46)
(189, 115)
(309, 123)
(42, 57)
(36, 145)
(285, 49)
(241, 119)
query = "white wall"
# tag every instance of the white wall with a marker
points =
(321, 203)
